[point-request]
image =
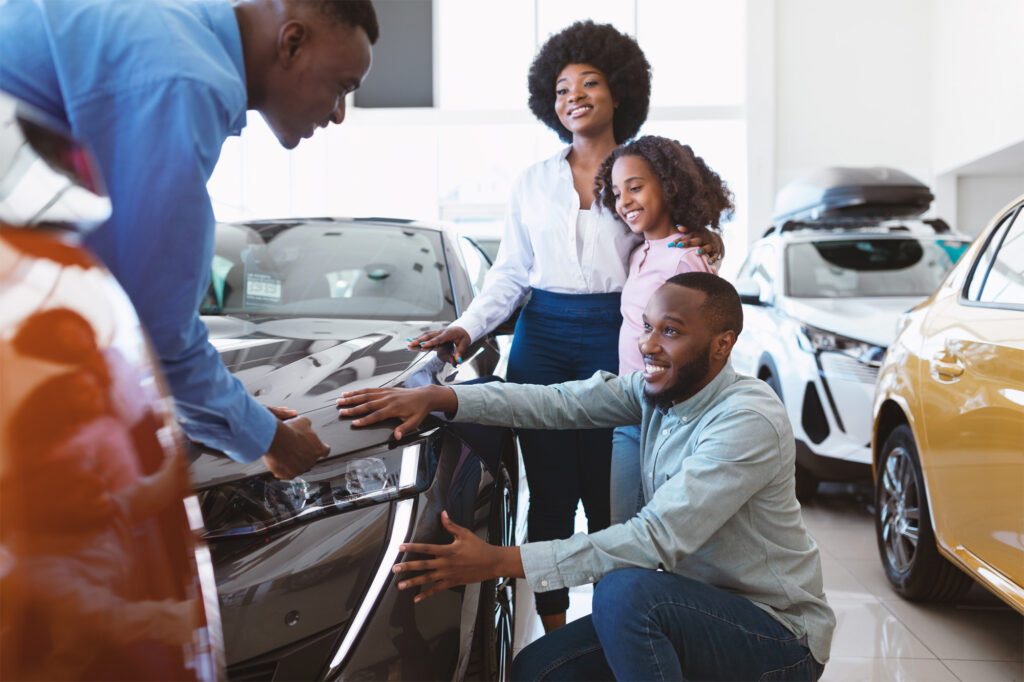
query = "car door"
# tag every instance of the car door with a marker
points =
(972, 378)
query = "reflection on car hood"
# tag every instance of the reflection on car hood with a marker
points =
(307, 363)
(867, 319)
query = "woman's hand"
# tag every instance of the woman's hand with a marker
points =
(708, 242)
(411, 405)
(468, 559)
(457, 337)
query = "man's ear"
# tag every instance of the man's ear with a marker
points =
(722, 343)
(294, 34)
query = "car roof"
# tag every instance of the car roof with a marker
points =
(894, 228)
(332, 220)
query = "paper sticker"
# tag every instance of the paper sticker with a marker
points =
(262, 288)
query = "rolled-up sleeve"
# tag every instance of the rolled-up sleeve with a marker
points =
(157, 146)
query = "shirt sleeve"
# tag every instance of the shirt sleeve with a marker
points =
(732, 458)
(508, 280)
(604, 400)
(691, 261)
(157, 146)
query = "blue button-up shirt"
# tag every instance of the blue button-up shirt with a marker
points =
(720, 503)
(154, 88)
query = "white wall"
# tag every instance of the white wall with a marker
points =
(978, 96)
(853, 85)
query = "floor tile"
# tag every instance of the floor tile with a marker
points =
(987, 671)
(841, 669)
(867, 629)
(978, 634)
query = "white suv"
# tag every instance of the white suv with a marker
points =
(821, 298)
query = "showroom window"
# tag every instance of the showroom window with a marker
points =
(456, 161)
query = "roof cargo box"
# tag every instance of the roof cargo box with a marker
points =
(832, 194)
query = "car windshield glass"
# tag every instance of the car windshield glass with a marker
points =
(321, 269)
(869, 267)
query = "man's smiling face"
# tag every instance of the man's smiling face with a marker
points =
(678, 345)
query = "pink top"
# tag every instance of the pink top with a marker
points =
(650, 265)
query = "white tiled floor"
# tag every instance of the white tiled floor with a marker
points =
(879, 636)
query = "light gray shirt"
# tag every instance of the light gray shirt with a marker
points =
(720, 503)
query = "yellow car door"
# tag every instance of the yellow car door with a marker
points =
(972, 400)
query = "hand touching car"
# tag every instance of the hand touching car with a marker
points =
(468, 559)
(457, 337)
(411, 405)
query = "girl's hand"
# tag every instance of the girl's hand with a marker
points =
(708, 243)
(450, 343)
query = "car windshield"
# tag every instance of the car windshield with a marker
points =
(869, 267)
(323, 269)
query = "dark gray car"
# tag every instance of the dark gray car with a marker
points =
(301, 311)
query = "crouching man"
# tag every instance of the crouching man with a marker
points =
(716, 577)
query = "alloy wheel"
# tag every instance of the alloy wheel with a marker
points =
(504, 588)
(900, 510)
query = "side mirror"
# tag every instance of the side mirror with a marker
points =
(749, 291)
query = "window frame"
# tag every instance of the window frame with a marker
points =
(993, 245)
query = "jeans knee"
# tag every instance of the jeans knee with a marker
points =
(617, 598)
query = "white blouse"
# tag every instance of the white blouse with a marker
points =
(540, 247)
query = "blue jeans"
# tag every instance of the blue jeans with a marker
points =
(654, 625)
(563, 337)
(626, 497)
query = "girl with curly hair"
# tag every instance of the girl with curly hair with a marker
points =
(591, 84)
(653, 185)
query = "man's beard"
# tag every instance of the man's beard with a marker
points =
(688, 378)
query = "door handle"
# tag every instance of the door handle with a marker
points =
(947, 370)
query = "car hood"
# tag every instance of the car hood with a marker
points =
(866, 319)
(306, 364)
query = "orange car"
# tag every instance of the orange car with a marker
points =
(948, 437)
(102, 575)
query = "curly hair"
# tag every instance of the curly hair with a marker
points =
(617, 56)
(695, 195)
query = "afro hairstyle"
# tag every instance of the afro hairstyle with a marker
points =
(617, 56)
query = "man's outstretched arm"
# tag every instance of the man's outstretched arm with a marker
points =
(468, 559)
(602, 401)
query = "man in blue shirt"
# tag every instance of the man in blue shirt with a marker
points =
(154, 88)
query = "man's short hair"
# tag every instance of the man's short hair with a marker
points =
(722, 304)
(354, 13)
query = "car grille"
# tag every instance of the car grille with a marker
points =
(843, 367)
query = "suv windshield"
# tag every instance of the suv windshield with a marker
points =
(869, 267)
(322, 269)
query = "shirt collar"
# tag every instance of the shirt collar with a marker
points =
(698, 404)
(221, 17)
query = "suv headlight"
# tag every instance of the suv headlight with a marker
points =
(257, 504)
(814, 340)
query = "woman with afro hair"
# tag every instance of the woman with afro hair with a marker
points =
(591, 84)
(653, 184)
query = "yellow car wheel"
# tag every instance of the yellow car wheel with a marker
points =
(906, 541)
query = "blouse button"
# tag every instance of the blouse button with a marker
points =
(543, 583)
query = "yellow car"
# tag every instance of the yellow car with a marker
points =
(948, 437)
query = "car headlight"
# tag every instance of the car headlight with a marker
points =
(260, 503)
(814, 340)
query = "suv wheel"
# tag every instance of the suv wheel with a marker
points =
(906, 541)
(495, 626)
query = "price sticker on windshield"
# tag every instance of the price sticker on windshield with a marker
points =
(262, 288)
